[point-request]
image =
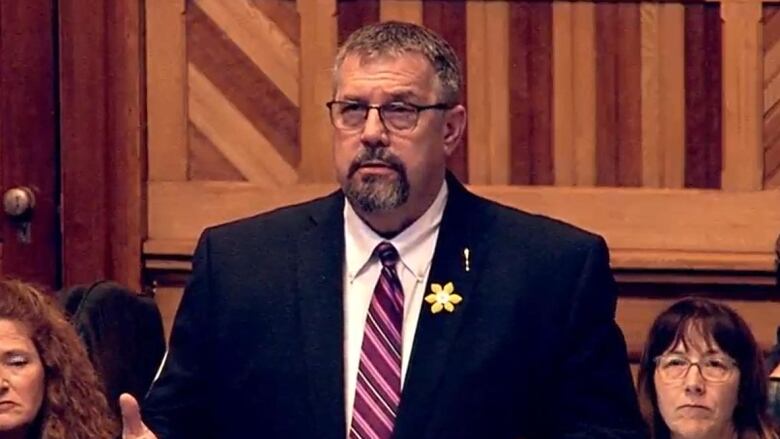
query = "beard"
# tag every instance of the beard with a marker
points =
(377, 192)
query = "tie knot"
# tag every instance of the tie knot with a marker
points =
(387, 254)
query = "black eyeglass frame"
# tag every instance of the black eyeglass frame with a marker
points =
(381, 108)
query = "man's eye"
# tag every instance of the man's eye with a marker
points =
(399, 109)
(352, 108)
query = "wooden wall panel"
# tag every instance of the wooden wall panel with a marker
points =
(663, 95)
(635, 315)
(574, 99)
(703, 96)
(530, 90)
(401, 10)
(319, 31)
(102, 160)
(611, 94)
(206, 162)
(241, 80)
(488, 24)
(166, 90)
(771, 129)
(448, 19)
(353, 14)
(618, 35)
(743, 152)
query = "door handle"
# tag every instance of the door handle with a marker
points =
(19, 202)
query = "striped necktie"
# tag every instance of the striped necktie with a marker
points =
(378, 390)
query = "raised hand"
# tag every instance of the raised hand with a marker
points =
(132, 425)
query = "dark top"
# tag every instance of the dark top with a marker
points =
(123, 333)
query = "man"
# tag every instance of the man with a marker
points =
(412, 310)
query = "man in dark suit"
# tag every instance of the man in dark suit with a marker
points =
(401, 306)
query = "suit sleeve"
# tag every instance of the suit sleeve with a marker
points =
(596, 397)
(175, 407)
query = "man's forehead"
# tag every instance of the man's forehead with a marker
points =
(408, 73)
(410, 62)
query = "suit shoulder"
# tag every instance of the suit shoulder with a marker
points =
(530, 228)
(281, 222)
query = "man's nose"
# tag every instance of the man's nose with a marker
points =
(374, 131)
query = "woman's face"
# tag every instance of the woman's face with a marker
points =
(697, 400)
(21, 378)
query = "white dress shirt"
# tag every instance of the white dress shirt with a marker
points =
(415, 247)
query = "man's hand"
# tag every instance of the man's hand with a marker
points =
(132, 425)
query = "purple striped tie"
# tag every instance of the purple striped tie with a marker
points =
(378, 390)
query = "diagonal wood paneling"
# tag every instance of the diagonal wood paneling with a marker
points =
(234, 135)
(771, 132)
(205, 161)
(284, 14)
(254, 95)
(260, 39)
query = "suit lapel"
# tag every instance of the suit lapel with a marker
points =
(320, 298)
(437, 332)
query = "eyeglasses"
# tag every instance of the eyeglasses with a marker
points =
(713, 368)
(396, 116)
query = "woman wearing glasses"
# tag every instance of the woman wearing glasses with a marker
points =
(702, 376)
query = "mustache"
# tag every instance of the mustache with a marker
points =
(376, 155)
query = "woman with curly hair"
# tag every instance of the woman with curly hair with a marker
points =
(48, 387)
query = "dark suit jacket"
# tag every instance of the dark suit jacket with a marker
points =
(532, 351)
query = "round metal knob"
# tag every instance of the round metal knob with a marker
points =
(18, 201)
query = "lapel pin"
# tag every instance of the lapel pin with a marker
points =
(443, 298)
(466, 253)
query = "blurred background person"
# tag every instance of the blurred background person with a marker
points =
(123, 333)
(773, 365)
(702, 375)
(48, 388)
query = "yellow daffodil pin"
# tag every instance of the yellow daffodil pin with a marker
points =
(443, 298)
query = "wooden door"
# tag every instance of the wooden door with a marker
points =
(28, 139)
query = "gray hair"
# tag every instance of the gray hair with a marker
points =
(395, 38)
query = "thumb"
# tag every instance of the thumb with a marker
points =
(132, 425)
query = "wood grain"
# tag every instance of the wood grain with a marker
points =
(448, 19)
(743, 152)
(410, 11)
(738, 231)
(318, 50)
(166, 89)
(703, 96)
(101, 61)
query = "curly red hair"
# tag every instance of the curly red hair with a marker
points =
(74, 405)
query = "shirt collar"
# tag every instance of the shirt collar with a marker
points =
(361, 240)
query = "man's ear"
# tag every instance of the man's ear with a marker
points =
(454, 127)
